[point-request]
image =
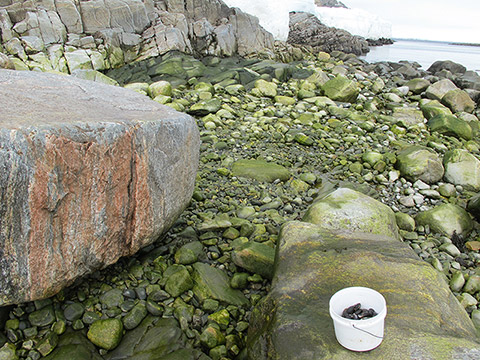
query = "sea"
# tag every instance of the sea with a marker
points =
(426, 53)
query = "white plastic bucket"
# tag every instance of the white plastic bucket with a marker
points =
(358, 335)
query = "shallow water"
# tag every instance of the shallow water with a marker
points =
(426, 53)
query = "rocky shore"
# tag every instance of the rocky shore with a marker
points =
(275, 137)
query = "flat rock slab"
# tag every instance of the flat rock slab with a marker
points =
(90, 173)
(424, 319)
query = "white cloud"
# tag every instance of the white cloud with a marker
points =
(427, 19)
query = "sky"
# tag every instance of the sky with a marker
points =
(439, 20)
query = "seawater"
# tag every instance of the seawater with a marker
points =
(426, 53)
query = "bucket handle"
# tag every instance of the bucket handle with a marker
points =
(368, 332)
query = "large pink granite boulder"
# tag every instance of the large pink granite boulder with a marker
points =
(89, 173)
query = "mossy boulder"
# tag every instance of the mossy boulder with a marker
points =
(205, 107)
(351, 211)
(418, 85)
(74, 345)
(450, 125)
(432, 108)
(341, 89)
(160, 88)
(312, 263)
(265, 88)
(420, 163)
(255, 257)
(462, 168)
(445, 219)
(189, 253)
(260, 170)
(458, 100)
(213, 283)
(408, 116)
(154, 338)
(437, 90)
(106, 333)
(178, 280)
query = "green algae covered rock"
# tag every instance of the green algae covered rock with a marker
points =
(73, 345)
(341, 89)
(106, 333)
(458, 100)
(352, 211)
(135, 316)
(293, 322)
(432, 108)
(450, 125)
(265, 88)
(260, 170)
(8, 352)
(408, 116)
(154, 338)
(418, 85)
(437, 90)
(285, 100)
(213, 283)
(462, 168)
(446, 219)
(189, 253)
(160, 88)
(178, 280)
(255, 257)
(420, 163)
(205, 107)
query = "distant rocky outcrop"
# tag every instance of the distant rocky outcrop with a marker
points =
(90, 173)
(330, 3)
(66, 35)
(306, 29)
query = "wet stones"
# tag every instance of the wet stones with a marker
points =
(356, 312)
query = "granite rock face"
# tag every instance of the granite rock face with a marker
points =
(104, 34)
(91, 173)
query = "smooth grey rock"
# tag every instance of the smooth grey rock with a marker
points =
(408, 116)
(447, 65)
(445, 219)
(462, 168)
(458, 100)
(417, 162)
(437, 90)
(121, 147)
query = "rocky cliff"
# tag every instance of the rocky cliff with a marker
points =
(330, 3)
(66, 35)
(306, 29)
